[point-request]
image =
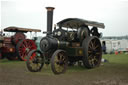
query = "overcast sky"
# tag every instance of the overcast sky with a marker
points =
(32, 13)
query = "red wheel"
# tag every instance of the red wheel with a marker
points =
(24, 47)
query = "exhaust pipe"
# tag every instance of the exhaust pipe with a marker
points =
(49, 19)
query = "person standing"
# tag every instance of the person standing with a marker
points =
(104, 47)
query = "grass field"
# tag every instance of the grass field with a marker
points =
(113, 72)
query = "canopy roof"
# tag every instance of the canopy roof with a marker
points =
(18, 29)
(76, 23)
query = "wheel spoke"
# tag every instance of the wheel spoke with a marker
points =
(94, 42)
(90, 56)
(59, 68)
(91, 44)
(95, 58)
(89, 52)
(96, 47)
(25, 43)
(98, 53)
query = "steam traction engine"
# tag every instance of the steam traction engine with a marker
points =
(16, 46)
(72, 41)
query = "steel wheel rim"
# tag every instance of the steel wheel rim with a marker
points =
(59, 62)
(35, 61)
(94, 52)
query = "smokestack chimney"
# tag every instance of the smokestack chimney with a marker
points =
(49, 19)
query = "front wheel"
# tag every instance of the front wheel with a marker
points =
(35, 61)
(92, 52)
(59, 62)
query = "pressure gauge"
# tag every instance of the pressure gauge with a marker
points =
(59, 33)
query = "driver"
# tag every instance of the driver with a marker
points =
(95, 32)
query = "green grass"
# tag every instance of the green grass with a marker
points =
(114, 62)
(7, 62)
(120, 58)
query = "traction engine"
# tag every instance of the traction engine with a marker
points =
(73, 40)
(16, 46)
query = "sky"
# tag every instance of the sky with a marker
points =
(32, 13)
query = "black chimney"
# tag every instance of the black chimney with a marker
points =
(49, 19)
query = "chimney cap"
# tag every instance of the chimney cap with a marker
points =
(50, 8)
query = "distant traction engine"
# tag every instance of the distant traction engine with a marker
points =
(16, 46)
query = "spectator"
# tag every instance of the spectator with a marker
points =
(104, 47)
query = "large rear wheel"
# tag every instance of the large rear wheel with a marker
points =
(23, 47)
(59, 62)
(35, 61)
(92, 52)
